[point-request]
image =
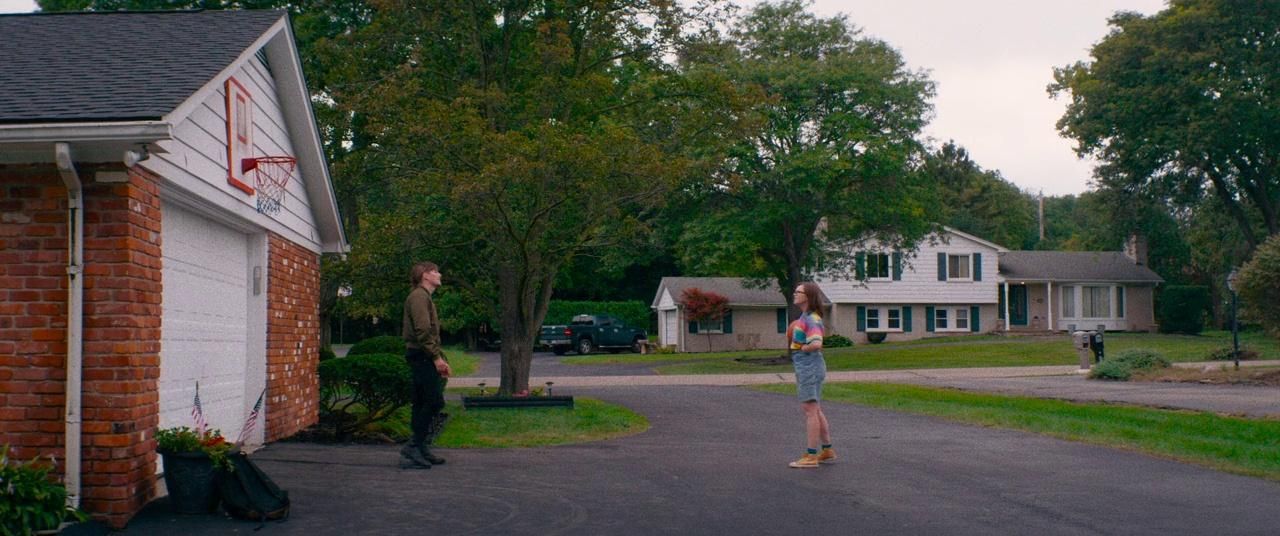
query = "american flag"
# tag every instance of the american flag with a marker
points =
(251, 420)
(197, 413)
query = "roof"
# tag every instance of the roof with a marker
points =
(729, 287)
(987, 243)
(1074, 266)
(116, 66)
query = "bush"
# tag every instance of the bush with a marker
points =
(31, 502)
(876, 337)
(384, 344)
(836, 341)
(1123, 364)
(1224, 354)
(1259, 285)
(356, 391)
(632, 313)
(326, 354)
(1182, 309)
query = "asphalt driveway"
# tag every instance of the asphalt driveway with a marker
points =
(714, 462)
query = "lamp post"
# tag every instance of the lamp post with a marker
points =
(1235, 330)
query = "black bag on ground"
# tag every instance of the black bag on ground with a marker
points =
(248, 493)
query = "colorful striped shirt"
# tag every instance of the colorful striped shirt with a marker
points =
(806, 329)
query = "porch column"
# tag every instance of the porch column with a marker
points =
(1007, 320)
(1049, 291)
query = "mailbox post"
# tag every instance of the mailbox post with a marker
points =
(1080, 340)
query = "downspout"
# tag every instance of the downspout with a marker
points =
(75, 317)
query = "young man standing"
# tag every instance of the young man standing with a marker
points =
(426, 361)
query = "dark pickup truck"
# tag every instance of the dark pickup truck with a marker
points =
(586, 333)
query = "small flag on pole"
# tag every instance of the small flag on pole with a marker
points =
(251, 420)
(197, 413)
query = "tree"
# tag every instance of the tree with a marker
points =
(978, 201)
(830, 166)
(704, 306)
(1259, 285)
(1182, 102)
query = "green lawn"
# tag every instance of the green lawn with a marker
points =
(1236, 445)
(462, 363)
(952, 352)
(588, 420)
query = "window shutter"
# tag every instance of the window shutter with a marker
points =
(782, 320)
(942, 267)
(693, 327)
(860, 265)
(1000, 297)
(728, 322)
(862, 318)
(906, 318)
(897, 266)
(977, 267)
(973, 318)
(928, 318)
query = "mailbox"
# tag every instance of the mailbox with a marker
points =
(1095, 344)
(1081, 341)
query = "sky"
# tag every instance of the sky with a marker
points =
(991, 60)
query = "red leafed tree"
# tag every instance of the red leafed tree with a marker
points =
(700, 306)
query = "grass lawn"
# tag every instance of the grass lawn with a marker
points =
(952, 352)
(462, 363)
(588, 420)
(1243, 446)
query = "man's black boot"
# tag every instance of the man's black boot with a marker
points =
(428, 456)
(411, 458)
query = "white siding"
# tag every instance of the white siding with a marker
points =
(666, 302)
(196, 158)
(919, 283)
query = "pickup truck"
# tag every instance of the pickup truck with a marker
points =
(586, 333)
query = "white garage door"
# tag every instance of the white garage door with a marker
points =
(204, 326)
(669, 328)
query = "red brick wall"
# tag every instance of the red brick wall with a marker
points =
(122, 291)
(293, 338)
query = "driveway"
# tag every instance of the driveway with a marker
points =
(714, 462)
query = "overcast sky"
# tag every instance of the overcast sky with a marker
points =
(991, 60)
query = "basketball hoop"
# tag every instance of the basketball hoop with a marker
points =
(270, 176)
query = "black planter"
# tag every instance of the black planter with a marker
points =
(470, 402)
(191, 479)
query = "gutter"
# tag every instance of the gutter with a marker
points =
(75, 317)
(133, 131)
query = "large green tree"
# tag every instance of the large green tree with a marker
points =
(1183, 102)
(830, 166)
(978, 201)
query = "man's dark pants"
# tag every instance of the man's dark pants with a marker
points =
(428, 393)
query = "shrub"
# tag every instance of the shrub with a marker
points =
(32, 502)
(326, 354)
(183, 439)
(1224, 354)
(632, 313)
(876, 337)
(384, 344)
(1259, 285)
(1123, 364)
(836, 341)
(1182, 309)
(359, 390)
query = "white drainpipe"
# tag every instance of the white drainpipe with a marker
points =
(75, 317)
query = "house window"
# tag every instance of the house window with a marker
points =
(711, 326)
(958, 267)
(1095, 302)
(1068, 302)
(1119, 302)
(940, 319)
(962, 318)
(895, 319)
(873, 319)
(878, 266)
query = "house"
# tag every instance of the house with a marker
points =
(946, 286)
(1070, 290)
(757, 317)
(164, 203)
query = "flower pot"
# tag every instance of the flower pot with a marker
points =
(191, 479)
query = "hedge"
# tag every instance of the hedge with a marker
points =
(633, 313)
(383, 344)
(1260, 285)
(362, 389)
(1182, 309)
(1123, 364)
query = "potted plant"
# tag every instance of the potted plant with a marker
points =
(192, 459)
(33, 503)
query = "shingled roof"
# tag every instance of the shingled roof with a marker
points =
(729, 287)
(1074, 266)
(116, 66)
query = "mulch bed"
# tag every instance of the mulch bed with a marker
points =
(1266, 377)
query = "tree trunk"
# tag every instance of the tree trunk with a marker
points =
(524, 299)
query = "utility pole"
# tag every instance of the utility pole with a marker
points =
(1042, 215)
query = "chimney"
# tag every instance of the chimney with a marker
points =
(1136, 249)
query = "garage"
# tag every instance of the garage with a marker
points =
(204, 327)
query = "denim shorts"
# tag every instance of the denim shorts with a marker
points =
(811, 371)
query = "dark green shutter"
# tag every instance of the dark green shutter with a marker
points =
(897, 266)
(862, 318)
(906, 319)
(693, 327)
(942, 267)
(928, 318)
(1000, 297)
(782, 320)
(860, 265)
(977, 267)
(973, 318)
(728, 322)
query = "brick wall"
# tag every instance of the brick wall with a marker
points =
(122, 291)
(293, 338)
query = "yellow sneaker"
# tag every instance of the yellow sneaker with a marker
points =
(806, 461)
(827, 456)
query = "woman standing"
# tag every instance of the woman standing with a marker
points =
(811, 370)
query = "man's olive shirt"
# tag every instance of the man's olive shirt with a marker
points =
(421, 325)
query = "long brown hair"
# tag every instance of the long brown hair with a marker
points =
(813, 297)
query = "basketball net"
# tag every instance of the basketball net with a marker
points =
(270, 176)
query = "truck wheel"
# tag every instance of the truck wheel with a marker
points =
(585, 346)
(560, 350)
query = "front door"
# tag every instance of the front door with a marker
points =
(1018, 305)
